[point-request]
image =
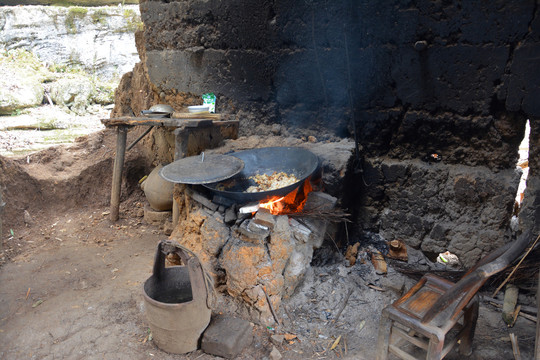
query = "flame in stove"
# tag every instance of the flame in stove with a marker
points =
(291, 203)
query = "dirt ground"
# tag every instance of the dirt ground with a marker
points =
(71, 280)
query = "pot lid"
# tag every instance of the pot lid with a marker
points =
(202, 169)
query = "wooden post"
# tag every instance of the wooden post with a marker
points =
(2, 204)
(180, 152)
(121, 137)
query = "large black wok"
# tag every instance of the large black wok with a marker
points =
(291, 160)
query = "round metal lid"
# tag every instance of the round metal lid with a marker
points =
(202, 169)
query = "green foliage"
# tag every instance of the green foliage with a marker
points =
(74, 12)
(133, 21)
(99, 17)
(66, 69)
(104, 92)
(20, 58)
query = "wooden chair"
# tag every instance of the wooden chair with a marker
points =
(436, 314)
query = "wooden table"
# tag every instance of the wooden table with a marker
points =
(182, 122)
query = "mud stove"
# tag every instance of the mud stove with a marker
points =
(256, 245)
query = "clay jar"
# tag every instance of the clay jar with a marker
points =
(158, 191)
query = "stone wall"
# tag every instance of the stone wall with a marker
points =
(407, 79)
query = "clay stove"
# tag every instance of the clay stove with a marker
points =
(259, 251)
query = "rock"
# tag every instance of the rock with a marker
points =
(28, 221)
(75, 93)
(99, 39)
(251, 232)
(276, 129)
(243, 261)
(226, 337)
(277, 339)
(230, 215)
(167, 227)
(20, 87)
(214, 234)
(275, 354)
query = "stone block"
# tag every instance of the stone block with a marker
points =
(300, 231)
(214, 234)
(252, 232)
(275, 354)
(230, 215)
(320, 200)
(201, 199)
(265, 218)
(227, 337)
(154, 217)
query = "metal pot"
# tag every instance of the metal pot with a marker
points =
(158, 111)
(291, 160)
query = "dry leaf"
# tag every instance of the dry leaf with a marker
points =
(289, 337)
(361, 325)
(335, 343)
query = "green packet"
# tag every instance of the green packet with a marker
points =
(210, 100)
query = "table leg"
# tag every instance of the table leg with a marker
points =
(121, 137)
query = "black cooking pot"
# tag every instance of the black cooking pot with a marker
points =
(291, 160)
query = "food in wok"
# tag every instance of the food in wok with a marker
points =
(276, 180)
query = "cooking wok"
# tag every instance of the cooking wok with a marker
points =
(291, 160)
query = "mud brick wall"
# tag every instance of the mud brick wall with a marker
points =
(405, 78)
(437, 207)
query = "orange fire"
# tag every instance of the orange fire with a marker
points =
(290, 203)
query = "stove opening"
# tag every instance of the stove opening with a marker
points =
(291, 203)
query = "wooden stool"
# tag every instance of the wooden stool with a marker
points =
(435, 308)
(402, 321)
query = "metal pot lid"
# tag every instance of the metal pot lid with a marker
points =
(202, 169)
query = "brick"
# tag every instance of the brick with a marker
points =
(227, 337)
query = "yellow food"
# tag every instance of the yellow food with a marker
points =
(275, 181)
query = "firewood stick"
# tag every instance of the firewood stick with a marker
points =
(509, 305)
(343, 305)
(270, 305)
(516, 313)
(524, 308)
(515, 347)
(515, 267)
(521, 313)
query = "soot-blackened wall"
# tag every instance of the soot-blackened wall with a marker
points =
(407, 79)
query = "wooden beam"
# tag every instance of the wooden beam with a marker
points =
(179, 119)
(136, 121)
